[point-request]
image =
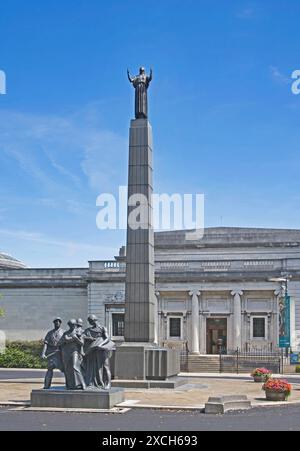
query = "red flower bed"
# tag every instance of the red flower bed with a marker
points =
(278, 386)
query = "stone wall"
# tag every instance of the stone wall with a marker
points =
(32, 298)
(101, 294)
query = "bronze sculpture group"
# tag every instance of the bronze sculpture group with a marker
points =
(82, 355)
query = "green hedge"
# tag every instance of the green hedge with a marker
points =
(23, 354)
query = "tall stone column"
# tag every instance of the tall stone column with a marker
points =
(195, 349)
(140, 296)
(237, 318)
(139, 358)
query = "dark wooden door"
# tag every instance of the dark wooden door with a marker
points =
(216, 329)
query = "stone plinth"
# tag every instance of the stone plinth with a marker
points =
(222, 404)
(145, 362)
(77, 399)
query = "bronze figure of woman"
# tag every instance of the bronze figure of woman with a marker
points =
(97, 350)
(71, 344)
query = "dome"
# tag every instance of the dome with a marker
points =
(8, 262)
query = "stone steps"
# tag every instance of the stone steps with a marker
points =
(203, 364)
(211, 364)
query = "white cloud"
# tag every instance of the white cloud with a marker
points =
(61, 151)
(71, 247)
(62, 170)
(278, 76)
(65, 163)
(101, 164)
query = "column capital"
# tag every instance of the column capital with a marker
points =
(194, 293)
(237, 293)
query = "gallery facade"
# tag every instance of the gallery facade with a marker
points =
(223, 287)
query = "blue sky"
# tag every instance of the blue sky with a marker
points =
(225, 121)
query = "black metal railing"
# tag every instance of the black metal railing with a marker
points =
(247, 359)
(184, 354)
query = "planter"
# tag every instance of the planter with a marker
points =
(259, 379)
(275, 396)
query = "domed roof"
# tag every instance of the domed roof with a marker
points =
(8, 262)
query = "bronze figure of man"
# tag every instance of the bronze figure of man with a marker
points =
(141, 84)
(51, 351)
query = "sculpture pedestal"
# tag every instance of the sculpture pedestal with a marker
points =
(141, 363)
(77, 399)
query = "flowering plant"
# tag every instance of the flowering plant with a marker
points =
(261, 372)
(278, 386)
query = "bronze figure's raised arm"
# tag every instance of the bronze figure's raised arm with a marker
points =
(129, 77)
(141, 84)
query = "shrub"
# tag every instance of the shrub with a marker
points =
(22, 354)
(298, 369)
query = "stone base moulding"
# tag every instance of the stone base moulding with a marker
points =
(172, 383)
(77, 399)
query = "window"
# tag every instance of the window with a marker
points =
(259, 328)
(175, 328)
(118, 324)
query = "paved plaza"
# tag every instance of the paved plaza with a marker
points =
(17, 385)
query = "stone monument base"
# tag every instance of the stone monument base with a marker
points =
(77, 399)
(146, 364)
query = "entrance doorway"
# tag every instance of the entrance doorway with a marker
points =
(216, 329)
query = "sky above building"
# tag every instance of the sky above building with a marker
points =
(224, 117)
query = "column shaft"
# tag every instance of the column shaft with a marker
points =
(195, 322)
(237, 318)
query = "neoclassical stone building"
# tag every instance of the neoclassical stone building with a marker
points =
(215, 288)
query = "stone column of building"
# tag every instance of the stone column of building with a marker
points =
(195, 349)
(237, 318)
(156, 319)
(278, 295)
(203, 318)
